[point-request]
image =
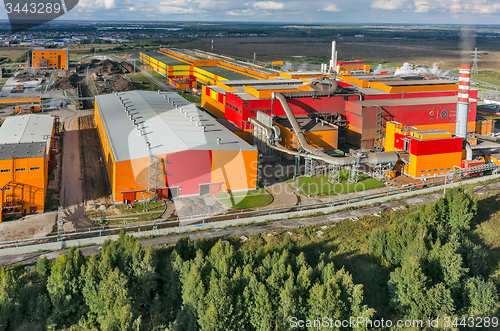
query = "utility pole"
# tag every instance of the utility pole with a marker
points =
(475, 58)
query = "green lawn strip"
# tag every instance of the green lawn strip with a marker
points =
(144, 82)
(190, 98)
(321, 185)
(252, 201)
(241, 194)
(156, 74)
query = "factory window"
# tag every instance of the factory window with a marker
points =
(422, 170)
(20, 169)
(35, 168)
(5, 170)
(442, 169)
(435, 170)
(448, 168)
(429, 170)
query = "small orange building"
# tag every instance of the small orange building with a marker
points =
(25, 143)
(42, 58)
(425, 153)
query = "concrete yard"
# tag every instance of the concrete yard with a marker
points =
(36, 226)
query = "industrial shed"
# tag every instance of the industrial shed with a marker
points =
(194, 154)
(25, 143)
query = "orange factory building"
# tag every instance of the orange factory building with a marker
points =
(430, 153)
(204, 67)
(42, 58)
(25, 143)
(192, 153)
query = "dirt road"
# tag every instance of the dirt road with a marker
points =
(71, 196)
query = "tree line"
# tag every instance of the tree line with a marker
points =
(438, 270)
(202, 285)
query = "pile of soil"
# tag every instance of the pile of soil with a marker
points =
(67, 82)
(123, 84)
(108, 67)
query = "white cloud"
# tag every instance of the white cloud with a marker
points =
(268, 5)
(168, 9)
(245, 12)
(333, 7)
(473, 7)
(95, 4)
(389, 4)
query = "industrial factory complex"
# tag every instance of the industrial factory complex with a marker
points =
(341, 118)
(419, 126)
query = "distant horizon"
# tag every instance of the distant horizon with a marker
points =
(354, 12)
(4, 20)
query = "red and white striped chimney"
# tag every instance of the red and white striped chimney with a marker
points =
(463, 101)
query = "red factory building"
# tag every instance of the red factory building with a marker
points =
(426, 104)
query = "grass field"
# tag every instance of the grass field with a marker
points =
(488, 76)
(321, 186)
(155, 74)
(241, 194)
(254, 200)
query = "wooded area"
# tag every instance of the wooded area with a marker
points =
(431, 268)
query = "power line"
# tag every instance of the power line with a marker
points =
(475, 58)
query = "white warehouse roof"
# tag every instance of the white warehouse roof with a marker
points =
(27, 129)
(168, 129)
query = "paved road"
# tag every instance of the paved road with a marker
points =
(283, 195)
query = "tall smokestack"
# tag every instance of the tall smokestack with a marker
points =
(332, 61)
(463, 101)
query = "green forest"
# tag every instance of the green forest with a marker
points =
(417, 263)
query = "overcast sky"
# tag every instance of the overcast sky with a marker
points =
(304, 11)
